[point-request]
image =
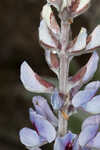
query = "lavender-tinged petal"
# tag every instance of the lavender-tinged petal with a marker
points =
(93, 120)
(95, 143)
(77, 78)
(93, 106)
(93, 85)
(86, 72)
(91, 67)
(87, 134)
(80, 43)
(82, 97)
(56, 101)
(68, 138)
(76, 146)
(48, 16)
(42, 108)
(45, 36)
(37, 102)
(44, 127)
(32, 81)
(29, 137)
(58, 145)
(62, 142)
(94, 40)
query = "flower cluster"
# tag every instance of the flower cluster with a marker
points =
(45, 124)
(66, 99)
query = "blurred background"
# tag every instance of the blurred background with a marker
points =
(19, 21)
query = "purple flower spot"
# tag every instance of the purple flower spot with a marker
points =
(35, 128)
(68, 146)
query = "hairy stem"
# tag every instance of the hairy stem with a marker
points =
(64, 39)
(63, 74)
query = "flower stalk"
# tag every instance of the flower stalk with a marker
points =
(67, 98)
(63, 75)
(63, 82)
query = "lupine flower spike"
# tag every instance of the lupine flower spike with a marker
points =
(51, 124)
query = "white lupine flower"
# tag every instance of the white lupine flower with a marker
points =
(90, 134)
(32, 81)
(94, 41)
(80, 42)
(45, 36)
(42, 120)
(49, 18)
(86, 98)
